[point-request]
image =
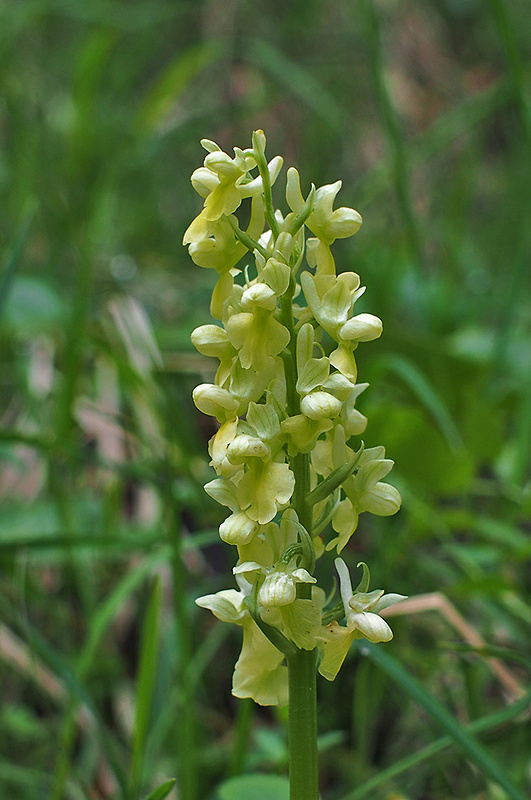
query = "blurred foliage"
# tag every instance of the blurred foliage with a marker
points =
(423, 110)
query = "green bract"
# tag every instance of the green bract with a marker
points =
(283, 455)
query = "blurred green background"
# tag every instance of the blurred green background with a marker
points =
(113, 681)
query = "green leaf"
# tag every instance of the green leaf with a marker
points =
(255, 787)
(427, 396)
(162, 791)
(484, 724)
(146, 682)
(172, 82)
(460, 735)
(334, 480)
(299, 81)
(420, 451)
(14, 260)
(105, 613)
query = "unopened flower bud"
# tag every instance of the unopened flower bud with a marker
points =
(320, 405)
(244, 447)
(204, 181)
(278, 589)
(383, 500)
(284, 245)
(211, 340)
(214, 401)
(259, 141)
(362, 328)
(276, 274)
(238, 529)
(261, 295)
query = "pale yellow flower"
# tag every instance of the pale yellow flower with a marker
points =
(259, 672)
(363, 621)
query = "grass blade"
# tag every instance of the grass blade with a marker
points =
(298, 80)
(482, 725)
(457, 732)
(147, 673)
(14, 260)
(392, 130)
(162, 791)
(427, 396)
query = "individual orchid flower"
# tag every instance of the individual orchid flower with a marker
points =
(212, 341)
(298, 619)
(215, 401)
(244, 385)
(267, 482)
(264, 489)
(221, 250)
(302, 433)
(268, 548)
(259, 672)
(362, 614)
(255, 333)
(361, 328)
(331, 299)
(279, 586)
(274, 272)
(313, 375)
(224, 182)
(239, 528)
(217, 448)
(365, 491)
(325, 223)
(353, 421)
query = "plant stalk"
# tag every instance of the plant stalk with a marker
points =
(302, 672)
(303, 763)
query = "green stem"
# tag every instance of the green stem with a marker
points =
(303, 763)
(247, 240)
(290, 354)
(301, 469)
(266, 184)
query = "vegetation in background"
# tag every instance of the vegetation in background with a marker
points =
(113, 681)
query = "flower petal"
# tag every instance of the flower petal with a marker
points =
(373, 627)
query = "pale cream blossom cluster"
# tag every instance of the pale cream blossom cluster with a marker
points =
(277, 396)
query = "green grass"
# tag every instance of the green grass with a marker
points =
(113, 681)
